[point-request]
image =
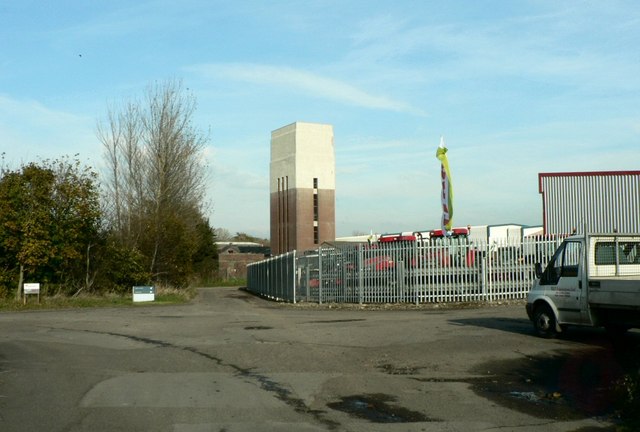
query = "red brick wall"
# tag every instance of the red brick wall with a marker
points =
(234, 265)
(298, 231)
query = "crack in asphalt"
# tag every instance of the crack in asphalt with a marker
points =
(265, 383)
(335, 321)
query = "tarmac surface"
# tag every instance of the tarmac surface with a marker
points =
(230, 361)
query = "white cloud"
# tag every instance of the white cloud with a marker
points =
(30, 130)
(304, 82)
(558, 46)
(31, 110)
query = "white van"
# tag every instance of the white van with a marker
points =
(591, 280)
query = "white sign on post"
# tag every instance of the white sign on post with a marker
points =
(144, 293)
(30, 288)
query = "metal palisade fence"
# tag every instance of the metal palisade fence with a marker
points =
(444, 270)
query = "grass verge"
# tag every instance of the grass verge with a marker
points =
(164, 296)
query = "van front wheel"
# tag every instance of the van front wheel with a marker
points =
(544, 321)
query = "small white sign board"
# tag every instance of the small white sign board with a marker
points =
(144, 293)
(31, 288)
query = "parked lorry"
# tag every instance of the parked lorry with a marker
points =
(591, 280)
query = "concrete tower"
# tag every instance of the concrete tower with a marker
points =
(302, 184)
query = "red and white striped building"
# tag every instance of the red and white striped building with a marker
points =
(600, 201)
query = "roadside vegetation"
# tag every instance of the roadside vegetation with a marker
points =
(163, 296)
(88, 238)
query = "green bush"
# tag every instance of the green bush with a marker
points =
(120, 268)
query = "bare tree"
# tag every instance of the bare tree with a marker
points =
(121, 136)
(222, 234)
(175, 181)
(156, 171)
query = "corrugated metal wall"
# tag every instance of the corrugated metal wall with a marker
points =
(601, 201)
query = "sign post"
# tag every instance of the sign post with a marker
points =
(30, 288)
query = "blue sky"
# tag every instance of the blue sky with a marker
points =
(515, 87)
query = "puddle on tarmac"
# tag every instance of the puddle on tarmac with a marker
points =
(377, 409)
(565, 386)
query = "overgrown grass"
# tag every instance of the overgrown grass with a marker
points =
(164, 296)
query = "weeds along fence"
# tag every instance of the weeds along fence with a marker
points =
(446, 270)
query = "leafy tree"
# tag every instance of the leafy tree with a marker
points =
(76, 218)
(120, 267)
(205, 259)
(49, 218)
(25, 221)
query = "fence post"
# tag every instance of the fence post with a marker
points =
(292, 269)
(483, 274)
(320, 275)
(414, 270)
(359, 269)
(400, 292)
(309, 268)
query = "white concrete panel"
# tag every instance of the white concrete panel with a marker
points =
(301, 152)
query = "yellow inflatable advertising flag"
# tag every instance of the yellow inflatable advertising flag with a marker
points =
(447, 187)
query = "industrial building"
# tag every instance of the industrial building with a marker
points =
(600, 201)
(302, 187)
(233, 257)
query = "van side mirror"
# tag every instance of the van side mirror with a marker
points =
(538, 270)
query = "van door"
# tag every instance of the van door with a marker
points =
(563, 277)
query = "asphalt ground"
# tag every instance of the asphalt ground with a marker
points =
(231, 361)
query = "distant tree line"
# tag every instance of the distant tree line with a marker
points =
(144, 223)
(224, 235)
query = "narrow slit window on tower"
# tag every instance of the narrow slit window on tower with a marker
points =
(315, 206)
(315, 234)
(315, 182)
